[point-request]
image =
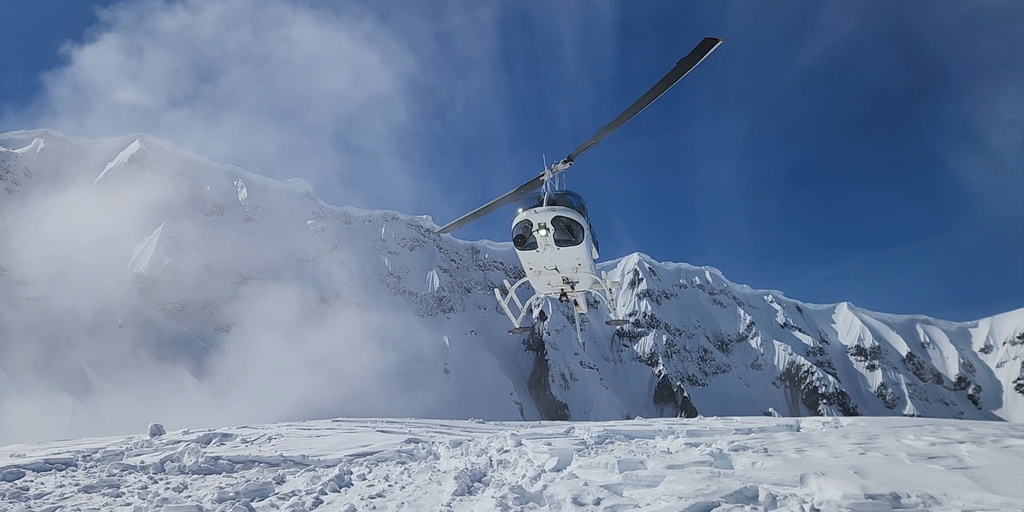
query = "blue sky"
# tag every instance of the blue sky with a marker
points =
(868, 151)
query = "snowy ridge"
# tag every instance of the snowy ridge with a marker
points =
(35, 147)
(707, 464)
(697, 344)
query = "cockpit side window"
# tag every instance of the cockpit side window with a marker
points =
(523, 237)
(567, 232)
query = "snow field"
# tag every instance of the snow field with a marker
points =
(703, 464)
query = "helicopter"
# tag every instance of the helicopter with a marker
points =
(551, 231)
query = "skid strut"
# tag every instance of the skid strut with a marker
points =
(523, 309)
(516, 310)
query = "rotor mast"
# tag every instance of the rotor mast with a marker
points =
(551, 172)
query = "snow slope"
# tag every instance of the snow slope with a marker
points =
(181, 285)
(703, 464)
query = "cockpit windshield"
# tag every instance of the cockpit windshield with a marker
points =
(564, 198)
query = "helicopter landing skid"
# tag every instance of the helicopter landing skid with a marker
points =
(602, 287)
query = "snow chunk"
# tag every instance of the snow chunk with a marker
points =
(340, 478)
(554, 459)
(183, 508)
(99, 485)
(626, 465)
(12, 475)
(466, 482)
(256, 490)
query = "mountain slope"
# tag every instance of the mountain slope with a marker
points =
(200, 293)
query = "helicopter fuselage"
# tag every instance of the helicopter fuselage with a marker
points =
(556, 245)
(557, 249)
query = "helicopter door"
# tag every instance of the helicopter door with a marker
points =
(567, 232)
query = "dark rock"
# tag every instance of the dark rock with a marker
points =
(156, 430)
(539, 385)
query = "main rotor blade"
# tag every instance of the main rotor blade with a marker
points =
(702, 50)
(510, 197)
(698, 54)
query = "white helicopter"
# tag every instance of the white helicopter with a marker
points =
(551, 231)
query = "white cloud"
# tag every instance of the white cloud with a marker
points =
(281, 88)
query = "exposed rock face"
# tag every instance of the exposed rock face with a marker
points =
(696, 343)
(539, 381)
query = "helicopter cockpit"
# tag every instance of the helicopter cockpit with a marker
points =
(566, 198)
(565, 231)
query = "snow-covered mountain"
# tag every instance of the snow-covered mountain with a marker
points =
(145, 283)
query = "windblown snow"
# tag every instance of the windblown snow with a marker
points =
(174, 289)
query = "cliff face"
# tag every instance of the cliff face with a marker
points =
(125, 259)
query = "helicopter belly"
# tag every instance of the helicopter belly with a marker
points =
(564, 271)
(557, 260)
